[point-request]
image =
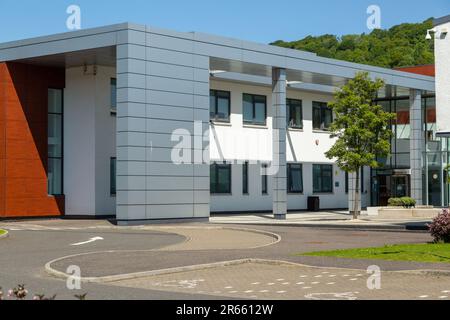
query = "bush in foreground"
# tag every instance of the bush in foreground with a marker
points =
(440, 227)
(20, 293)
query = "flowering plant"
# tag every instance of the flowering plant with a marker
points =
(440, 227)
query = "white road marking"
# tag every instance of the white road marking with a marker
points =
(331, 283)
(300, 283)
(281, 292)
(443, 297)
(264, 291)
(86, 242)
(424, 297)
(256, 283)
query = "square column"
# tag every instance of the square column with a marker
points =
(416, 141)
(279, 168)
(162, 121)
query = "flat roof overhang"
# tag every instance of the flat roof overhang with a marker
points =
(98, 45)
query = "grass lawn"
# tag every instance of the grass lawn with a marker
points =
(408, 252)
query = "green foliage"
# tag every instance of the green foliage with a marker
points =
(395, 202)
(361, 127)
(400, 46)
(405, 202)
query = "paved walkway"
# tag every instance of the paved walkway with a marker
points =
(331, 219)
(276, 282)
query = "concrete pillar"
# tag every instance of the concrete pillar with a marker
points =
(279, 168)
(416, 142)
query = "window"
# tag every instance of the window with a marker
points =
(295, 178)
(294, 114)
(112, 176)
(219, 106)
(264, 184)
(322, 116)
(254, 109)
(220, 175)
(322, 178)
(346, 182)
(55, 142)
(113, 93)
(245, 178)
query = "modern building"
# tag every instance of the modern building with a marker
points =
(149, 124)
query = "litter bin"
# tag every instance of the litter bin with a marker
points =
(313, 204)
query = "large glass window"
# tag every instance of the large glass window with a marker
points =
(322, 178)
(220, 178)
(55, 142)
(294, 114)
(113, 94)
(254, 109)
(403, 127)
(112, 176)
(295, 178)
(322, 116)
(219, 107)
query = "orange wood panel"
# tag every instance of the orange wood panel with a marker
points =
(23, 140)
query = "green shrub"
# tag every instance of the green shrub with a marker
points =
(405, 202)
(395, 202)
(408, 202)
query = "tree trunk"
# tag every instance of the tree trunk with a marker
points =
(356, 197)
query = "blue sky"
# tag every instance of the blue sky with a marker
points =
(257, 20)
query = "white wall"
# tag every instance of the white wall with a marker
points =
(235, 141)
(89, 142)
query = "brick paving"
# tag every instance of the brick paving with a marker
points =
(279, 282)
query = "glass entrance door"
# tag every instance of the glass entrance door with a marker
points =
(400, 186)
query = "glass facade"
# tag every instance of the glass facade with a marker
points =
(393, 179)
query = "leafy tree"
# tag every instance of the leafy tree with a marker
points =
(361, 128)
(400, 46)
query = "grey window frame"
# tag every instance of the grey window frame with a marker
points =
(61, 158)
(113, 176)
(217, 167)
(254, 122)
(289, 177)
(322, 107)
(264, 180)
(215, 93)
(113, 97)
(322, 190)
(245, 178)
(289, 105)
